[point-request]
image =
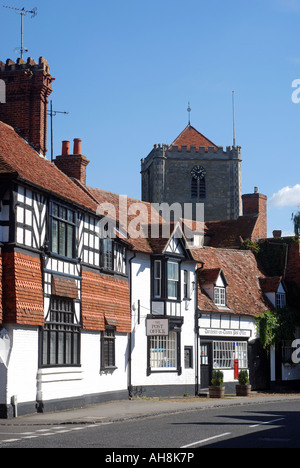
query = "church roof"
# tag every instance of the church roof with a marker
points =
(190, 136)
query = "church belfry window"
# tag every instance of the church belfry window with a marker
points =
(198, 183)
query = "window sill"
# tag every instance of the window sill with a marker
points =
(108, 370)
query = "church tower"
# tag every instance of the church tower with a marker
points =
(194, 170)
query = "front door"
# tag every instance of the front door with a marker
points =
(205, 364)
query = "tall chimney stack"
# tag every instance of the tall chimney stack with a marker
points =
(27, 86)
(73, 165)
(255, 204)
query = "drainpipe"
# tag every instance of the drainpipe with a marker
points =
(130, 334)
(197, 316)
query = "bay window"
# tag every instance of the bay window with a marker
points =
(166, 279)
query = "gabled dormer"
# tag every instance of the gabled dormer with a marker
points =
(214, 284)
(274, 290)
(169, 273)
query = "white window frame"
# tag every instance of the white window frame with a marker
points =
(173, 281)
(220, 296)
(157, 279)
(225, 352)
(186, 284)
(280, 300)
(163, 352)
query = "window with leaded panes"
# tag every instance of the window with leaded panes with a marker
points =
(63, 230)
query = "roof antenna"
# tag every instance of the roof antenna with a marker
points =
(233, 118)
(22, 12)
(189, 111)
(52, 114)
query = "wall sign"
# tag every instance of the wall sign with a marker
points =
(224, 332)
(157, 327)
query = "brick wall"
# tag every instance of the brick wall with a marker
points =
(28, 86)
(105, 296)
(23, 301)
(255, 204)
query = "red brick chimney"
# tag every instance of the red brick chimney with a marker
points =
(255, 204)
(73, 165)
(28, 86)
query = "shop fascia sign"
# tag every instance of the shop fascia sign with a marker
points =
(157, 327)
(224, 332)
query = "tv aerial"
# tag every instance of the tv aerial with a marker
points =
(22, 12)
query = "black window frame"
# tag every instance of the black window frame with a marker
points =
(108, 348)
(60, 336)
(164, 279)
(108, 256)
(188, 357)
(175, 326)
(63, 224)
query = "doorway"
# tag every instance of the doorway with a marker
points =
(205, 364)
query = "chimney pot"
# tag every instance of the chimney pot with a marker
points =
(65, 148)
(277, 234)
(77, 146)
(255, 189)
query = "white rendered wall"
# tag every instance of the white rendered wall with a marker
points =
(141, 291)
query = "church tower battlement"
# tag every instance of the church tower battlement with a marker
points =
(194, 170)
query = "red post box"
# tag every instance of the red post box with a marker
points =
(236, 368)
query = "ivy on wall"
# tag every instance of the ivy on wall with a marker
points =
(276, 326)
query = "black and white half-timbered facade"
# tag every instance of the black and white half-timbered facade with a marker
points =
(64, 288)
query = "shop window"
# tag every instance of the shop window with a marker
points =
(225, 352)
(60, 337)
(163, 352)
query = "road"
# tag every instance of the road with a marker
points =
(269, 425)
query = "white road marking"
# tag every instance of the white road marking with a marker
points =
(206, 440)
(267, 422)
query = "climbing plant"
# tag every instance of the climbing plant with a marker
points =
(277, 325)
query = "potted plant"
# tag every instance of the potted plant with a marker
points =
(243, 388)
(217, 390)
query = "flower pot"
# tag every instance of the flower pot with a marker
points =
(216, 392)
(243, 390)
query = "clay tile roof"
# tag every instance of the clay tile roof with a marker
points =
(230, 233)
(209, 275)
(270, 284)
(190, 136)
(19, 158)
(243, 292)
(140, 242)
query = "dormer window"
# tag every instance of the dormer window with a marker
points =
(274, 290)
(214, 283)
(280, 300)
(220, 296)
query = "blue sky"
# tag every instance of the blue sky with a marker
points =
(126, 69)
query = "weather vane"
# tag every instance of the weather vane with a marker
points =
(22, 12)
(189, 111)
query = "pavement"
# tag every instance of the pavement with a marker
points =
(124, 410)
